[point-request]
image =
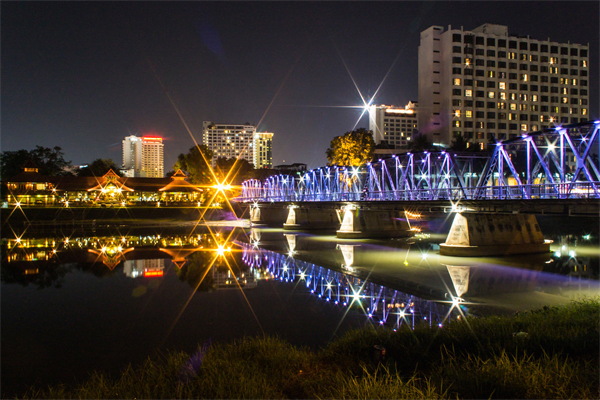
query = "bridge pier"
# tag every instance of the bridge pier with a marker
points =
(274, 216)
(311, 218)
(478, 234)
(360, 223)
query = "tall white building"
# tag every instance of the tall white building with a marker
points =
(393, 125)
(263, 150)
(484, 84)
(143, 156)
(238, 141)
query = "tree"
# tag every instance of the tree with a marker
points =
(196, 163)
(459, 143)
(237, 170)
(420, 142)
(99, 167)
(49, 161)
(351, 149)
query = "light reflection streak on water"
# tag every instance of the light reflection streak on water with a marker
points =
(380, 305)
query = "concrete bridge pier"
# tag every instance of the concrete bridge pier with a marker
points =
(359, 223)
(480, 234)
(271, 216)
(311, 218)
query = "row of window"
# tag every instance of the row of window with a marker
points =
(524, 78)
(511, 116)
(511, 55)
(516, 106)
(520, 45)
(519, 96)
(469, 62)
(509, 127)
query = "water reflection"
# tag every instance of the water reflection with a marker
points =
(203, 260)
(380, 305)
(414, 267)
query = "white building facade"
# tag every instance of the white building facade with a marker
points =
(486, 85)
(263, 150)
(238, 141)
(143, 157)
(393, 125)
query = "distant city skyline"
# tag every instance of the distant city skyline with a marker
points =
(83, 75)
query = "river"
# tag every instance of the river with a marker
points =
(78, 301)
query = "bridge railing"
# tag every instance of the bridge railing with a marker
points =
(557, 162)
(580, 190)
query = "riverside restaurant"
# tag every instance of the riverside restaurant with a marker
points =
(30, 188)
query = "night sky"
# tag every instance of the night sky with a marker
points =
(84, 75)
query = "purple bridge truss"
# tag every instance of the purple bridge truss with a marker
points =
(556, 163)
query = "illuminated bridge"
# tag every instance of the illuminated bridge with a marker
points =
(554, 171)
(556, 163)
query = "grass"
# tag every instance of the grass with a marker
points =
(550, 353)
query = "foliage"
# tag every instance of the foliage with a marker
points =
(351, 149)
(236, 170)
(549, 353)
(99, 167)
(49, 161)
(196, 163)
(420, 142)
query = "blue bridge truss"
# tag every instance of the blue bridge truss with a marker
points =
(555, 163)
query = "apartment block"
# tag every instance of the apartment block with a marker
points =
(143, 157)
(393, 125)
(239, 141)
(487, 85)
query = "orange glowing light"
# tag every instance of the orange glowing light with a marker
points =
(155, 273)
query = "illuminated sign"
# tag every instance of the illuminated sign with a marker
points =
(153, 273)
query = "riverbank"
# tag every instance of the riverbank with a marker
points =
(547, 353)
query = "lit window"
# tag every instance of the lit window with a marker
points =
(584, 111)
(524, 127)
(502, 95)
(513, 106)
(524, 77)
(534, 97)
(467, 61)
(456, 81)
(502, 85)
(468, 113)
(457, 113)
(565, 100)
(584, 63)
(492, 95)
(491, 74)
(468, 93)
(574, 82)
(457, 124)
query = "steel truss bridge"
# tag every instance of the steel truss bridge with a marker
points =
(556, 163)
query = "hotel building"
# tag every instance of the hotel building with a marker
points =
(143, 157)
(238, 141)
(486, 85)
(393, 125)
(263, 150)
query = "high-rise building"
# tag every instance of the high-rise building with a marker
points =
(486, 85)
(263, 150)
(143, 157)
(238, 141)
(392, 125)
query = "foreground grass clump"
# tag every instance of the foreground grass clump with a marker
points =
(550, 353)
